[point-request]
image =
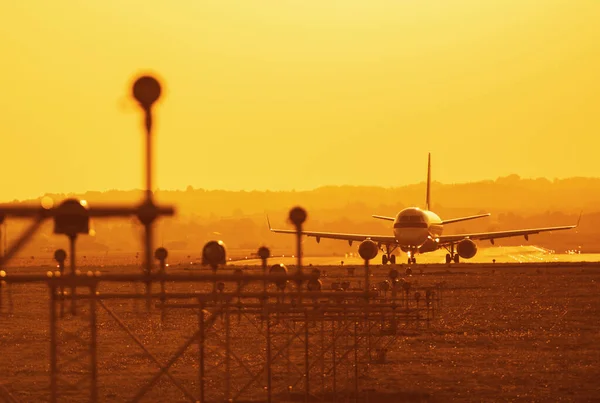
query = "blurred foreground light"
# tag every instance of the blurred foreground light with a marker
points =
(297, 216)
(264, 252)
(146, 90)
(47, 202)
(214, 254)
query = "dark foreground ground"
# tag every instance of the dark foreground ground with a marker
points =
(519, 334)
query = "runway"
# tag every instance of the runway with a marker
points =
(505, 256)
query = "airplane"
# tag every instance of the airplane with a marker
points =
(417, 230)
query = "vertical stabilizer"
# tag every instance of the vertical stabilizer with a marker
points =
(428, 201)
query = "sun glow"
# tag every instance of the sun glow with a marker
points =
(288, 79)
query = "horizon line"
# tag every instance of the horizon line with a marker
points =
(264, 190)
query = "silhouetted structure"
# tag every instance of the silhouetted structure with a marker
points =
(298, 313)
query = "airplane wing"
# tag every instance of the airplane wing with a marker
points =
(384, 239)
(473, 217)
(448, 239)
(381, 217)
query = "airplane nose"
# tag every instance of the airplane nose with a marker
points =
(412, 236)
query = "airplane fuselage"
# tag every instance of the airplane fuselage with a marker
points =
(416, 229)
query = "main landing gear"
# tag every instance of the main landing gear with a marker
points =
(385, 259)
(452, 256)
(387, 254)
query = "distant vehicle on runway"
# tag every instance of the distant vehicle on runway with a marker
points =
(419, 230)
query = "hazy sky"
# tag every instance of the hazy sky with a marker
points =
(297, 94)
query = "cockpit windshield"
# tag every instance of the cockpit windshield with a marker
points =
(411, 218)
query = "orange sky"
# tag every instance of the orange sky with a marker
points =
(297, 94)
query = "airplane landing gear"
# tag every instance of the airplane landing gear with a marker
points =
(387, 255)
(385, 259)
(452, 256)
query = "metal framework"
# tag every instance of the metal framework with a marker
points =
(321, 344)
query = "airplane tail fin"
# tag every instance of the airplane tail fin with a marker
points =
(428, 200)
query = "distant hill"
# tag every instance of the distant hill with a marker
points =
(509, 193)
(239, 217)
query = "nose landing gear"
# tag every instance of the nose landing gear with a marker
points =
(411, 258)
(388, 257)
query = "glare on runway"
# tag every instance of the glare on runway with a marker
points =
(500, 254)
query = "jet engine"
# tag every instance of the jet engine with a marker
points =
(466, 249)
(429, 246)
(368, 249)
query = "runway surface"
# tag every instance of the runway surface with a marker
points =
(501, 254)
